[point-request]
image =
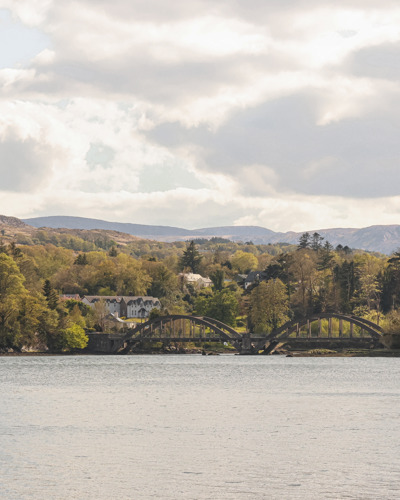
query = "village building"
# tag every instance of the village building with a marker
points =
(125, 306)
(196, 279)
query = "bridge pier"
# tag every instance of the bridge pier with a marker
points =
(247, 346)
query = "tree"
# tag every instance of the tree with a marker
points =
(326, 257)
(50, 294)
(303, 270)
(164, 283)
(73, 337)
(223, 306)
(316, 242)
(25, 319)
(113, 251)
(304, 241)
(391, 283)
(368, 269)
(11, 291)
(14, 251)
(37, 323)
(100, 314)
(218, 277)
(81, 260)
(129, 277)
(244, 262)
(269, 306)
(345, 278)
(191, 258)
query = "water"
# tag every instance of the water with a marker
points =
(196, 427)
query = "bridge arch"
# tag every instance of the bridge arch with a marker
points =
(186, 328)
(372, 330)
(181, 328)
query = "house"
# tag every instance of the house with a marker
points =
(196, 280)
(112, 303)
(240, 279)
(252, 278)
(125, 306)
(139, 307)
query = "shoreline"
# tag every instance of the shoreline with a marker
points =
(351, 353)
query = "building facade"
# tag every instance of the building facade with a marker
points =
(125, 306)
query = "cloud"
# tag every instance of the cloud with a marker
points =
(380, 62)
(235, 113)
(296, 154)
(24, 163)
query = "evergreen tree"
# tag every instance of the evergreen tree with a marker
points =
(326, 257)
(316, 242)
(304, 241)
(191, 258)
(50, 294)
(81, 260)
(113, 251)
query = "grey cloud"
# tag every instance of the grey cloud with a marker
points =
(255, 11)
(343, 158)
(24, 164)
(382, 61)
(138, 75)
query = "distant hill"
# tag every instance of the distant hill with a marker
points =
(384, 239)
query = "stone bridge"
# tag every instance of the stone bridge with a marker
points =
(322, 329)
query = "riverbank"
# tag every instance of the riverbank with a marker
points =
(349, 353)
(316, 353)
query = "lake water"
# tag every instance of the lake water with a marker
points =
(199, 427)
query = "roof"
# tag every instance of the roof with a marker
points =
(119, 298)
(253, 276)
(194, 277)
(93, 298)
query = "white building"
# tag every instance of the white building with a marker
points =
(125, 306)
(196, 279)
(140, 307)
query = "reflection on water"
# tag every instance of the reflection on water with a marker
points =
(196, 427)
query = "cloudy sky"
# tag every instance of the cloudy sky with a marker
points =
(196, 113)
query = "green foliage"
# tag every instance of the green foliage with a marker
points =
(73, 337)
(392, 322)
(222, 305)
(154, 313)
(316, 278)
(218, 277)
(244, 262)
(269, 306)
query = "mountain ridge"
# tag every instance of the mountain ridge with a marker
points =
(375, 238)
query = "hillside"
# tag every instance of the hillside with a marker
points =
(380, 238)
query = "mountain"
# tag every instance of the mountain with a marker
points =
(61, 221)
(384, 239)
(12, 222)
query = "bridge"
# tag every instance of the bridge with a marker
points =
(324, 329)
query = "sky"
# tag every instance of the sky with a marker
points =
(278, 113)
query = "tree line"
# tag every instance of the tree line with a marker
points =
(291, 282)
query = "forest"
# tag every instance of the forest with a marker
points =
(289, 281)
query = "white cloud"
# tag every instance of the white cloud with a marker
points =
(275, 109)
